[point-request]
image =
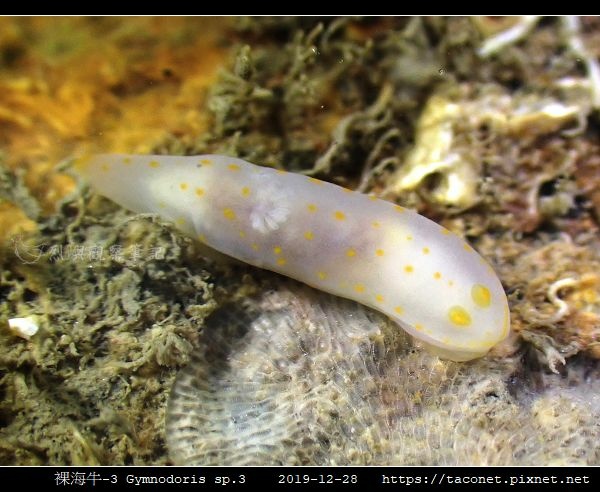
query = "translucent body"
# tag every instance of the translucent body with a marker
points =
(428, 280)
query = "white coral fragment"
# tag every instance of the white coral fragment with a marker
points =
(441, 149)
(23, 327)
(514, 34)
(433, 154)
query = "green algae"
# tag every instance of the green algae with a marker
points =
(120, 302)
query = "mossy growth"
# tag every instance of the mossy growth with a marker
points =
(120, 302)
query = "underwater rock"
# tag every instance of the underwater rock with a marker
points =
(298, 377)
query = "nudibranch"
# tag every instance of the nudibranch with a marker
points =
(382, 255)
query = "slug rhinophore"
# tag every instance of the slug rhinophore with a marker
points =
(427, 279)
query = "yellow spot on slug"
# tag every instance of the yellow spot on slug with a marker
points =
(445, 231)
(372, 198)
(206, 162)
(379, 252)
(254, 246)
(104, 168)
(459, 316)
(200, 191)
(180, 221)
(315, 181)
(312, 208)
(277, 250)
(242, 234)
(481, 295)
(419, 327)
(339, 215)
(233, 167)
(346, 190)
(409, 269)
(229, 214)
(350, 252)
(309, 235)
(202, 237)
(437, 275)
(359, 288)
(183, 186)
(468, 248)
(425, 251)
(322, 275)
(379, 298)
(162, 204)
(281, 261)
(398, 208)
(127, 160)
(280, 171)
(409, 238)
(398, 310)
(245, 191)
(376, 224)
(154, 164)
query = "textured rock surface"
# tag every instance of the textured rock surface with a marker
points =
(298, 377)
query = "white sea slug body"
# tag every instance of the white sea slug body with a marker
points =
(427, 279)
